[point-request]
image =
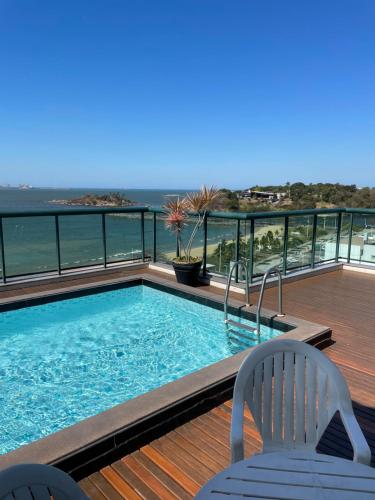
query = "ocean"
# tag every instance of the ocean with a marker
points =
(30, 242)
(40, 198)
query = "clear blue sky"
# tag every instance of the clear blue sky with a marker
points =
(177, 93)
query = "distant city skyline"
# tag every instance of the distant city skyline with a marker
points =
(173, 94)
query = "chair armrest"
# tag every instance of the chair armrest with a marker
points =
(361, 449)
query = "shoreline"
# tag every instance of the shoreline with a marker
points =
(197, 250)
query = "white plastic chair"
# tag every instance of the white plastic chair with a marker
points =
(38, 482)
(292, 390)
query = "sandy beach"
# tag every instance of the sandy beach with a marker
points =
(197, 250)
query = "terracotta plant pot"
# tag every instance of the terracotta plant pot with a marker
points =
(187, 274)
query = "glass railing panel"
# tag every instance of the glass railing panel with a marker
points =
(244, 248)
(268, 244)
(81, 240)
(198, 240)
(326, 237)
(166, 243)
(221, 244)
(300, 234)
(29, 245)
(344, 236)
(244, 251)
(149, 235)
(363, 239)
(123, 237)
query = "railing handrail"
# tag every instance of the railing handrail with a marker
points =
(260, 215)
(73, 211)
(359, 210)
(159, 210)
(275, 214)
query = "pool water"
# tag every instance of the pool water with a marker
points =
(67, 360)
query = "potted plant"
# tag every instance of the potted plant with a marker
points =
(186, 266)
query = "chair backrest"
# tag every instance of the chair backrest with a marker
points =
(38, 482)
(292, 390)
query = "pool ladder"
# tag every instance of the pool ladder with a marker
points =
(267, 274)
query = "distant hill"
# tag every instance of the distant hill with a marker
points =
(299, 196)
(95, 200)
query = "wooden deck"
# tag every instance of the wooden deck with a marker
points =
(179, 463)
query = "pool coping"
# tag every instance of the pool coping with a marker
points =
(83, 446)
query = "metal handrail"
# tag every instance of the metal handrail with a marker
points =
(247, 290)
(210, 214)
(280, 314)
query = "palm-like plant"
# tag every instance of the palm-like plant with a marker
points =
(178, 212)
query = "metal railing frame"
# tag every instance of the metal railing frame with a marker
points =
(240, 217)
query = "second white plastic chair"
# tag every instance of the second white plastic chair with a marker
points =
(292, 390)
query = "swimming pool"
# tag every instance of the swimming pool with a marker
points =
(66, 360)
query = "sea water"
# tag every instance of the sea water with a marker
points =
(64, 361)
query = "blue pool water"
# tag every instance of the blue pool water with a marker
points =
(64, 361)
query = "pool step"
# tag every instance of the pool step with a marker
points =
(243, 336)
(240, 325)
(240, 334)
(238, 346)
(242, 341)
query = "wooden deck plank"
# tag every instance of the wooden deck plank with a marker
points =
(131, 478)
(104, 487)
(160, 490)
(161, 476)
(198, 453)
(188, 464)
(188, 484)
(200, 448)
(91, 490)
(194, 432)
(122, 487)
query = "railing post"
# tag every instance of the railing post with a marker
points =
(251, 250)
(350, 237)
(58, 250)
(205, 245)
(338, 236)
(237, 257)
(2, 251)
(285, 247)
(154, 238)
(313, 243)
(143, 235)
(104, 238)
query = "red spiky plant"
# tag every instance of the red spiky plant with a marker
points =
(178, 212)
